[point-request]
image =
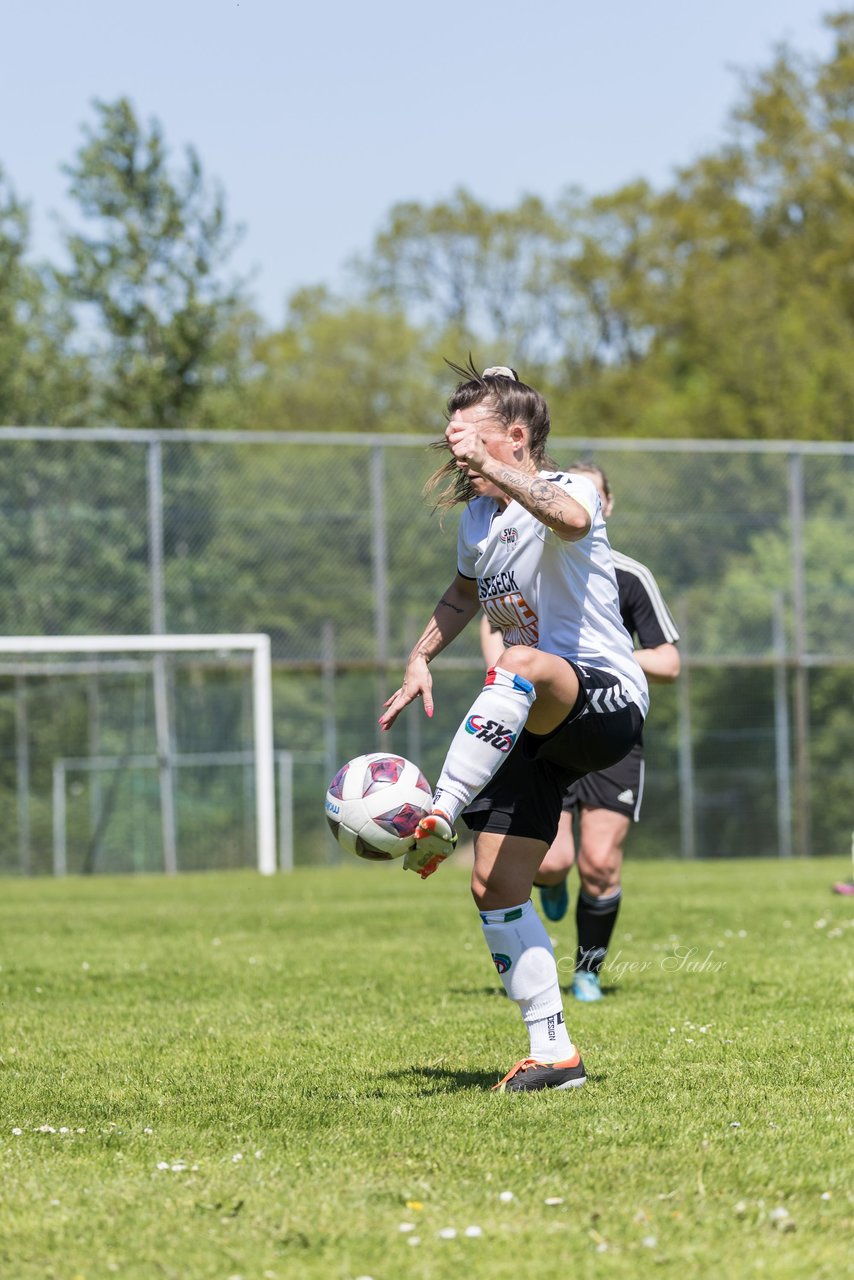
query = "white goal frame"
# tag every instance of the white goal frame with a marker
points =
(257, 644)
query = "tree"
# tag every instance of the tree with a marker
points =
(39, 381)
(169, 338)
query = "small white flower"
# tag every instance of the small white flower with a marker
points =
(85, 966)
(215, 942)
(473, 1232)
(148, 1131)
(17, 1132)
(253, 959)
(741, 1208)
(649, 1242)
(602, 1246)
(821, 924)
(447, 1233)
(742, 933)
(780, 1214)
(553, 1200)
(80, 1130)
(825, 1195)
(414, 1240)
(64, 1129)
(237, 1157)
(178, 1167)
(406, 1226)
(46, 1128)
(735, 1124)
(258, 1155)
(162, 1164)
(506, 1196)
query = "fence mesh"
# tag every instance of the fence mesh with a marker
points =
(326, 544)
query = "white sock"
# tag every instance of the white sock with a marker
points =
(523, 956)
(482, 741)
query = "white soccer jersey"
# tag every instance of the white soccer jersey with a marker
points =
(541, 591)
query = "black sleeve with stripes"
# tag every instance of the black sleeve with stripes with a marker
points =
(645, 614)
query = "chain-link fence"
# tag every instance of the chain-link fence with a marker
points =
(325, 543)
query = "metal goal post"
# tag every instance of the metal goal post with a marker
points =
(256, 644)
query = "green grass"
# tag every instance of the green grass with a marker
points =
(307, 1054)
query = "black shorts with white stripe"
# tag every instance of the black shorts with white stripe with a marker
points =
(525, 797)
(619, 789)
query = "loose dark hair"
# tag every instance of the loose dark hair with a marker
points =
(509, 400)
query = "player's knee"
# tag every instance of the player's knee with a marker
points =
(599, 876)
(521, 659)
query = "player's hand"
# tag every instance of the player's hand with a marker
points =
(435, 840)
(466, 444)
(417, 683)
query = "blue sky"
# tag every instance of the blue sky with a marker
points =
(317, 118)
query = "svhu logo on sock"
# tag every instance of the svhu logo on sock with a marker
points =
(492, 732)
(502, 962)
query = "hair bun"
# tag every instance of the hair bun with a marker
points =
(501, 371)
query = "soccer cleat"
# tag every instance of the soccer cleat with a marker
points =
(554, 899)
(435, 840)
(585, 986)
(530, 1075)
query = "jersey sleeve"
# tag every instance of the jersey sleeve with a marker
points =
(645, 614)
(581, 488)
(466, 547)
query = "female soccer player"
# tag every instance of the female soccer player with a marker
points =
(606, 803)
(567, 698)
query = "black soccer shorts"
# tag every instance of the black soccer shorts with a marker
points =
(525, 797)
(619, 788)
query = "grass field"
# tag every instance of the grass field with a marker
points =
(225, 1076)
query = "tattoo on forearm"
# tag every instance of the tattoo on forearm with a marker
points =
(542, 499)
(448, 605)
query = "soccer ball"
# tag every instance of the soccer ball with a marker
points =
(374, 803)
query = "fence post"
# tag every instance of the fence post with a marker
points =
(330, 724)
(782, 743)
(379, 553)
(687, 798)
(803, 808)
(286, 809)
(162, 720)
(22, 754)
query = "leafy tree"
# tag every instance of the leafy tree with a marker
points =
(40, 383)
(169, 338)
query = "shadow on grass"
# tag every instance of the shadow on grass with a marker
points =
(566, 990)
(435, 1079)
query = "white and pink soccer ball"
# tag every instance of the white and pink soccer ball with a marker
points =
(374, 803)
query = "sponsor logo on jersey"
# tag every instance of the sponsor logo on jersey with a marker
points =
(492, 732)
(501, 962)
(509, 537)
(499, 584)
(626, 797)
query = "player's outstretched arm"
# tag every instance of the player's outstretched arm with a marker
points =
(661, 663)
(456, 608)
